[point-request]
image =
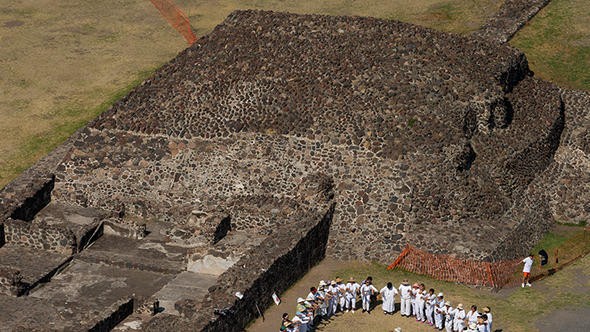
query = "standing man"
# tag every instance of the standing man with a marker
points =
(388, 294)
(526, 270)
(367, 291)
(405, 291)
(352, 288)
(341, 294)
(439, 311)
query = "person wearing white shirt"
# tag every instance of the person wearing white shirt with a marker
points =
(341, 294)
(333, 302)
(367, 290)
(472, 315)
(459, 320)
(420, 303)
(430, 303)
(388, 294)
(526, 270)
(415, 289)
(439, 311)
(352, 289)
(449, 316)
(405, 299)
(488, 312)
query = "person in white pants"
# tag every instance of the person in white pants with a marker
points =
(488, 312)
(367, 290)
(430, 303)
(439, 311)
(449, 316)
(333, 290)
(415, 289)
(405, 299)
(352, 289)
(420, 303)
(341, 294)
(459, 320)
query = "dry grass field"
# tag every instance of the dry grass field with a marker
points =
(557, 43)
(64, 62)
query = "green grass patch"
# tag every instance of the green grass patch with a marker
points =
(557, 43)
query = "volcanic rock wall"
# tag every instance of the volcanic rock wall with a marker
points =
(429, 138)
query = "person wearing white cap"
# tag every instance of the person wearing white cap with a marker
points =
(488, 311)
(333, 305)
(367, 290)
(449, 316)
(459, 320)
(405, 291)
(302, 314)
(388, 294)
(430, 304)
(296, 324)
(352, 289)
(439, 311)
(472, 327)
(324, 300)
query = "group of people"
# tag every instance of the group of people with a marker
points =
(416, 301)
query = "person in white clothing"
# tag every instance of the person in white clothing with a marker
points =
(439, 311)
(472, 315)
(367, 291)
(449, 316)
(420, 303)
(488, 312)
(341, 294)
(526, 270)
(405, 299)
(388, 294)
(459, 320)
(430, 303)
(325, 299)
(352, 289)
(415, 289)
(333, 305)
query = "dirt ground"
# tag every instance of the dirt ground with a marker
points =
(558, 303)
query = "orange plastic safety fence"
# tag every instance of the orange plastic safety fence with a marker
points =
(176, 19)
(448, 268)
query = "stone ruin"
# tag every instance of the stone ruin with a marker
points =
(278, 139)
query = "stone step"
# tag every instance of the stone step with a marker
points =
(186, 285)
(129, 253)
(24, 268)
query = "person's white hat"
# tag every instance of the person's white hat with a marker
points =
(440, 295)
(322, 283)
(448, 303)
(460, 306)
(300, 300)
(296, 319)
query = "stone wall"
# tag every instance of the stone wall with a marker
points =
(11, 282)
(511, 17)
(273, 266)
(112, 316)
(39, 236)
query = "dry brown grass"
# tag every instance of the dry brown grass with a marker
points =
(64, 62)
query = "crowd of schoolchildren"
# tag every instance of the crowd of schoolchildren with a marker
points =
(426, 306)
